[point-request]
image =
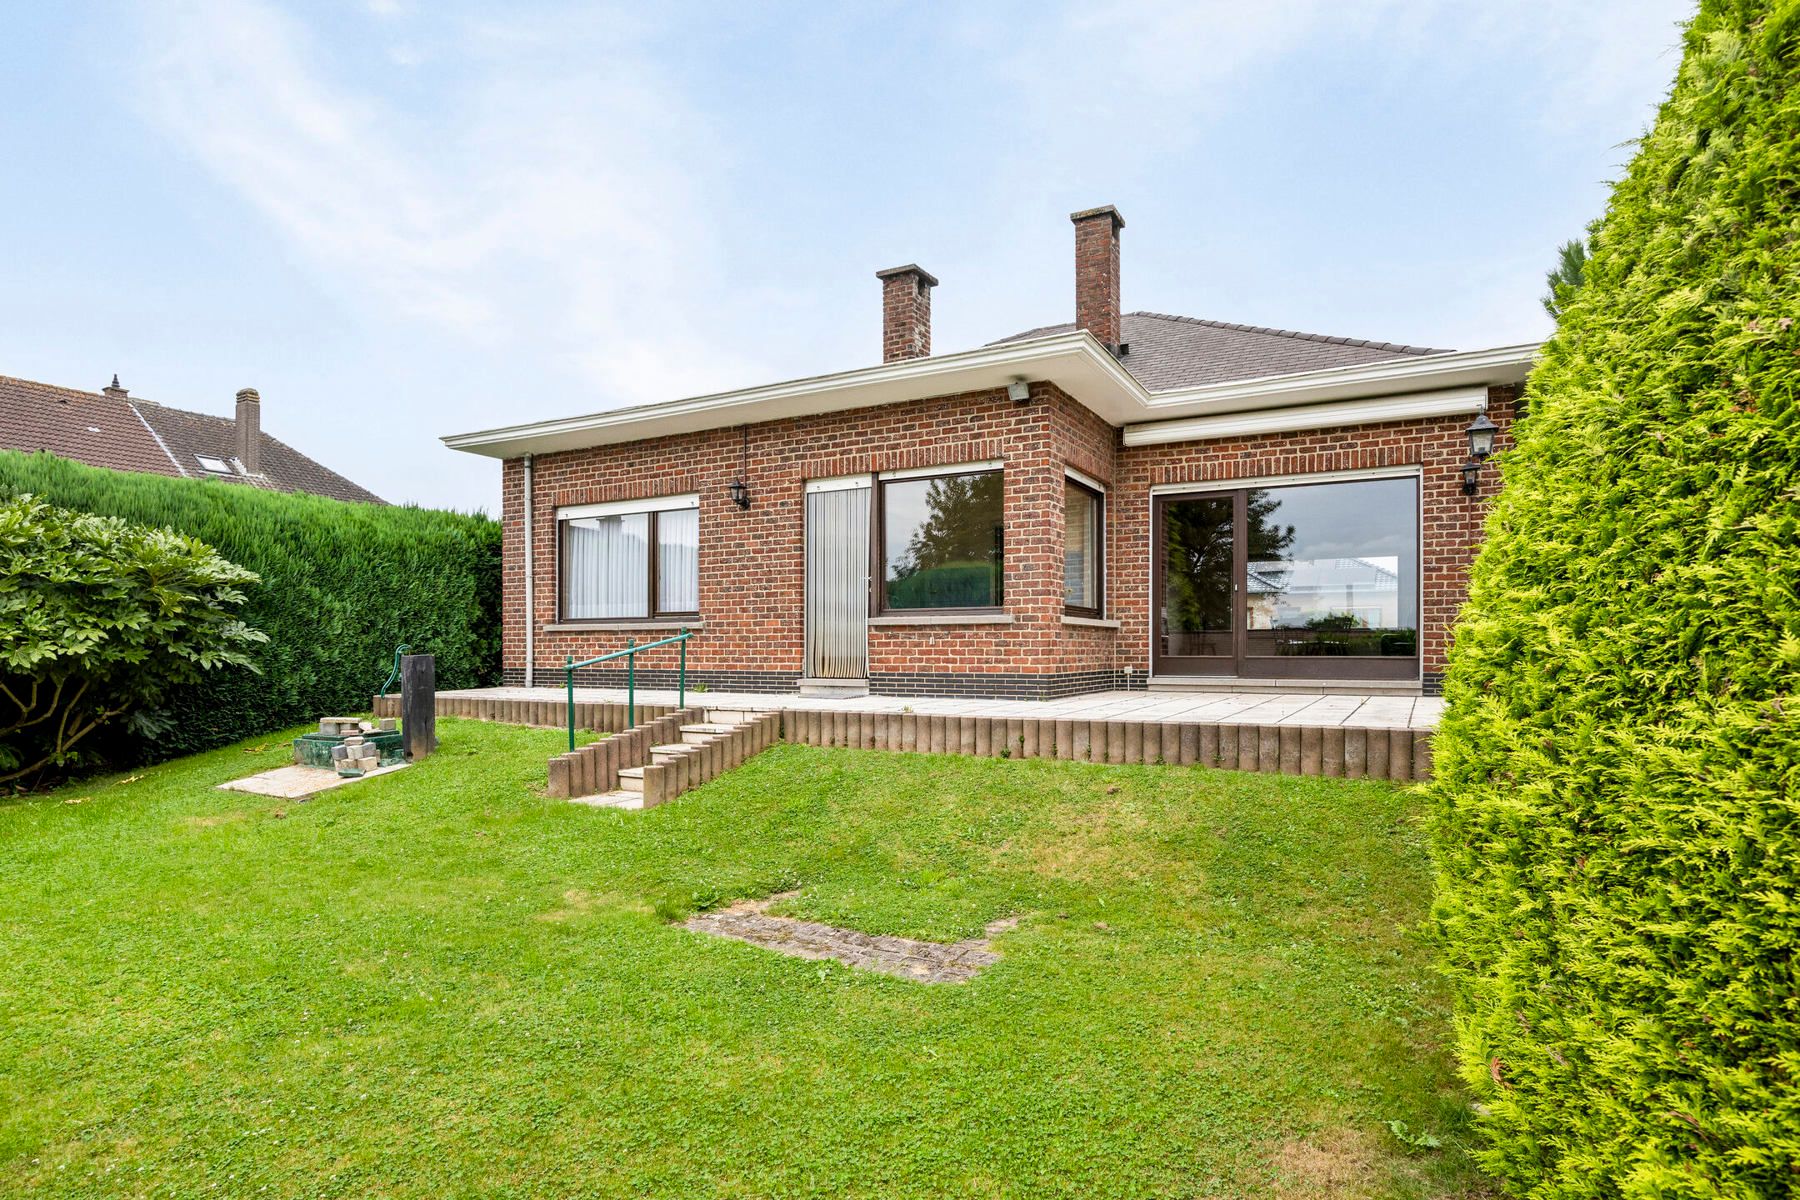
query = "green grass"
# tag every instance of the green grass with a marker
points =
(441, 983)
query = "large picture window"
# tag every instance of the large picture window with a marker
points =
(624, 562)
(942, 542)
(1290, 580)
(1083, 542)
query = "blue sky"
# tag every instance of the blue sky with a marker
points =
(403, 220)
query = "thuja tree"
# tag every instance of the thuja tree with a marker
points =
(99, 621)
(1617, 810)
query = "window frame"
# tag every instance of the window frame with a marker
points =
(651, 508)
(1096, 612)
(878, 539)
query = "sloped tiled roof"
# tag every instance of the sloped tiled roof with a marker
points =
(284, 469)
(128, 434)
(85, 426)
(1167, 352)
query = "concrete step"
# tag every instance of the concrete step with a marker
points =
(632, 779)
(670, 752)
(834, 688)
(710, 727)
(621, 799)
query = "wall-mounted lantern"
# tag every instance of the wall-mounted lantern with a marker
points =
(1480, 433)
(740, 491)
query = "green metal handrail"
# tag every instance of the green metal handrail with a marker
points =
(395, 674)
(629, 654)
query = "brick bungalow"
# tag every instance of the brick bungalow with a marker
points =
(1130, 500)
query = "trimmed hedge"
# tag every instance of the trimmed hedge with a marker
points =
(342, 585)
(1617, 804)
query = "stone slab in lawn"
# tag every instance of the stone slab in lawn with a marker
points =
(297, 783)
(923, 962)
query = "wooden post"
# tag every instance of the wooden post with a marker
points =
(418, 704)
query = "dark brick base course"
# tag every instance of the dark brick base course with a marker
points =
(1432, 683)
(995, 686)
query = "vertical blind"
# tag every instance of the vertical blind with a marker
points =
(1081, 534)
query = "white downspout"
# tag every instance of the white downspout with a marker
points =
(530, 577)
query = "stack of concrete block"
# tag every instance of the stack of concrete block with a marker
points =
(355, 726)
(357, 754)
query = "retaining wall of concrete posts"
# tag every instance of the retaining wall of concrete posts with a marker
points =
(1400, 755)
(594, 768)
(596, 717)
(665, 781)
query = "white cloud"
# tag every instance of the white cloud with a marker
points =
(555, 202)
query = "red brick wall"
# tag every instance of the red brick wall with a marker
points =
(751, 564)
(750, 561)
(1450, 532)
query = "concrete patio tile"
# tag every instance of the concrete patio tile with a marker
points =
(1385, 711)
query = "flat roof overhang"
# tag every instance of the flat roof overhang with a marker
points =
(1073, 361)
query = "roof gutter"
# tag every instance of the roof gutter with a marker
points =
(1413, 373)
(1072, 360)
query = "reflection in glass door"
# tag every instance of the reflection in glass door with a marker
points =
(1196, 590)
(1303, 581)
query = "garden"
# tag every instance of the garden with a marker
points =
(442, 982)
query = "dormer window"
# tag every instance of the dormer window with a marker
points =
(217, 466)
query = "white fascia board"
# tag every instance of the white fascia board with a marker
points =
(1389, 377)
(1074, 361)
(1450, 402)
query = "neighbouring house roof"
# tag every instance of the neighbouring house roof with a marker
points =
(130, 434)
(1166, 352)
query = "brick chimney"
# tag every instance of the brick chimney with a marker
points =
(1097, 274)
(905, 312)
(113, 391)
(249, 430)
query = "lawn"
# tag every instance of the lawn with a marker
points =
(441, 983)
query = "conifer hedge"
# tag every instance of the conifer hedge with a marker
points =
(342, 585)
(1617, 808)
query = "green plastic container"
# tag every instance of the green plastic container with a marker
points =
(314, 749)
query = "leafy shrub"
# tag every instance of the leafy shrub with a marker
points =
(100, 619)
(342, 585)
(1617, 810)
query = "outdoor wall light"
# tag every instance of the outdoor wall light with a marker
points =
(740, 491)
(1019, 390)
(1480, 433)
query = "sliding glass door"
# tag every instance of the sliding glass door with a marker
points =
(1301, 581)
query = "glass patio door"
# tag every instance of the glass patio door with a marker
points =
(1301, 581)
(1198, 603)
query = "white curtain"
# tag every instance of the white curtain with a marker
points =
(678, 561)
(1080, 588)
(606, 565)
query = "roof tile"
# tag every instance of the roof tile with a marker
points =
(1169, 352)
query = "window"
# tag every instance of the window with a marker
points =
(1289, 580)
(1337, 574)
(630, 561)
(942, 541)
(1083, 548)
(217, 466)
